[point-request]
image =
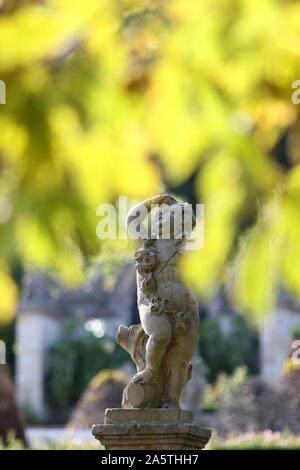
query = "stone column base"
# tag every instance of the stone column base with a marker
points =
(150, 429)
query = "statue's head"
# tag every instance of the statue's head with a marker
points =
(172, 221)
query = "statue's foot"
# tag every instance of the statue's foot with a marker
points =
(147, 376)
(170, 404)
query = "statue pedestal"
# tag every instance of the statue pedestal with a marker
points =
(150, 429)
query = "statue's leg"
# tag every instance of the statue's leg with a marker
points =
(159, 330)
(180, 353)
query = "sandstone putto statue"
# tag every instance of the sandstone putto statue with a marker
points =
(163, 344)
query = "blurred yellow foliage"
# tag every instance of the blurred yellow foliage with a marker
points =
(107, 98)
(8, 294)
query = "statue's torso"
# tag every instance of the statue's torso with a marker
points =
(169, 289)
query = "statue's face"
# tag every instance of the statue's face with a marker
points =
(169, 221)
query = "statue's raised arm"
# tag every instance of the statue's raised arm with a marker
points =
(139, 212)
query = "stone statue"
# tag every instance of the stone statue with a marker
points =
(164, 343)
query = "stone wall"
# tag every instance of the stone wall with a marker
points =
(275, 341)
(37, 330)
(44, 304)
